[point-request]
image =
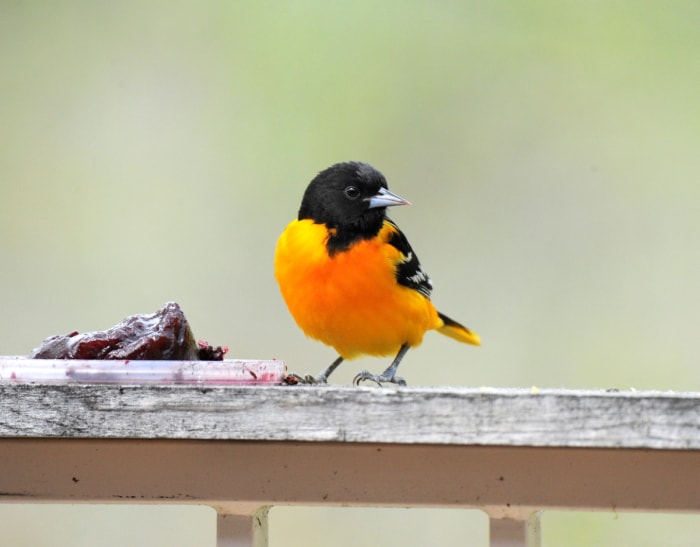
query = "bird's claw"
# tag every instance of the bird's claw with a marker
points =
(378, 379)
(308, 380)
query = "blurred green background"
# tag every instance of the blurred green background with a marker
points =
(154, 151)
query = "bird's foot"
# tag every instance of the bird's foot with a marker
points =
(378, 379)
(308, 380)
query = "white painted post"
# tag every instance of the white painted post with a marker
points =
(242, 530)
(514, 532)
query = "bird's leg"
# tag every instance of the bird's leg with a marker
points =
(322, 377)
(389, 375)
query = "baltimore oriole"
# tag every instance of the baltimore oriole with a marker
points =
(349, 276)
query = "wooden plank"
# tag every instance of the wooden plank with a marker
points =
(457, 416)
(239, 477)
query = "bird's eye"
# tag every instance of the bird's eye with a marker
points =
(351, 192)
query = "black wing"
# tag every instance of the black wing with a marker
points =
(408, 271)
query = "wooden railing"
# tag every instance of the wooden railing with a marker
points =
(512, 453)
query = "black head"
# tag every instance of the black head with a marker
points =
(351, 199)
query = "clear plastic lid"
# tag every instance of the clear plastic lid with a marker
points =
(227, 372)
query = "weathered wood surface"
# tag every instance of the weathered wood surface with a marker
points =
(456, 416)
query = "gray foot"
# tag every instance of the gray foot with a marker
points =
(378, 379)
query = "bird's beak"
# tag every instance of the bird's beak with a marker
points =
(384, 198)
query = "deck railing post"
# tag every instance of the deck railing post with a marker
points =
(242, 530)
(515, 532)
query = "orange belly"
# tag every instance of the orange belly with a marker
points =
(350, 301)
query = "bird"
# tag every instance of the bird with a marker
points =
(350, 278)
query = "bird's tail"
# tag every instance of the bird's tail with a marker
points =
(457, 331)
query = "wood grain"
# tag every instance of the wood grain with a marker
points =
(456, 416)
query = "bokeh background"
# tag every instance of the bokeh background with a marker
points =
(154, 151)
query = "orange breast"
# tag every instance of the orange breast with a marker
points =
(350, 301)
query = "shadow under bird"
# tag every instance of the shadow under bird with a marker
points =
(351, 279)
